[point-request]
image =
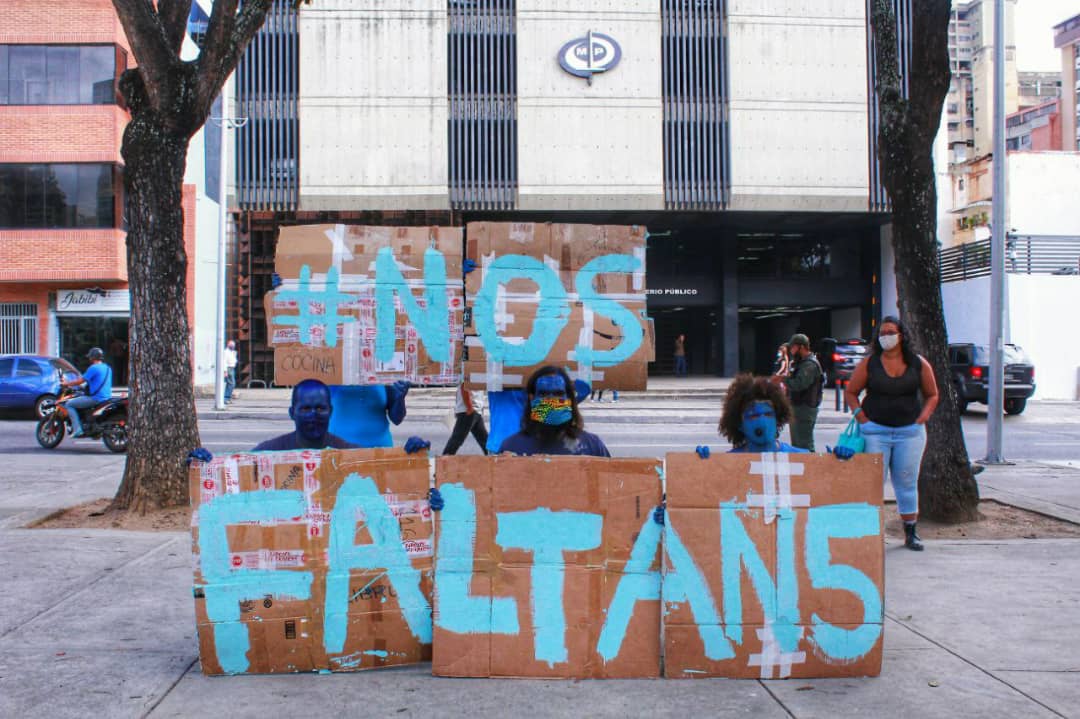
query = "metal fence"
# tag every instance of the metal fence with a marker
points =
(697, 158)
(18, 328)
(879, 199)
(1024, 254)
(482, 84)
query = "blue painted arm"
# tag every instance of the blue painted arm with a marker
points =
(275, 280)
(582, 389)
(395, 400)
(435, 499)
(415, 444)
(468, 265)
(199, 454)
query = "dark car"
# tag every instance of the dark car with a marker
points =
(970, 366)
(839, 357)
(32, 382)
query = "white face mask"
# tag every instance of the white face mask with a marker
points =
(887, 342)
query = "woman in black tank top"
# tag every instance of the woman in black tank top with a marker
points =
(901, 394)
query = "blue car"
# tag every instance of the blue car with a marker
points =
(32, 382)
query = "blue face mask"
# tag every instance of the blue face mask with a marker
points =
(759, 427)
(311, 413)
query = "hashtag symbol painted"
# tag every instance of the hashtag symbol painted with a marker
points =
(305, 298)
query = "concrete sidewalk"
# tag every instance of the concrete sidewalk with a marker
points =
(101, 623)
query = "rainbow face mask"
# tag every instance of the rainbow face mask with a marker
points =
(552, 411)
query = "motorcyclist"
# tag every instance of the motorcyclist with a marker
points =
(98, 379)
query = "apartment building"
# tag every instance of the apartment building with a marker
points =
(1067, 39)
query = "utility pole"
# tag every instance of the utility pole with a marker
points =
(996, 399)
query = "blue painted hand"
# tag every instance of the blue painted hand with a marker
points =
(468, 265)
(402, 387)
(435, 499)
(841, 452)
(275, 280)
(415, 444)
(582, 389)
(658, 514)
(199, 454)
(702, 451)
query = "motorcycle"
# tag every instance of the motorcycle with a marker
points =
(106, 420)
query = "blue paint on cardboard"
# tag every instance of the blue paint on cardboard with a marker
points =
(432, 322)
(684, 582)
(385, 552)
(629, 325)
(552, 311)
(226, 587)
(304, 297)
(547, 535)
(636, 584)
(843, 521)
(459, 612)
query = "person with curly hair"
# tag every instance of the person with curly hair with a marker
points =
(755, 412)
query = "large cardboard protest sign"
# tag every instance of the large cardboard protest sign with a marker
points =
(547, 567)
(367, 305)
(774, 566)
(568, 295)
(312, 560)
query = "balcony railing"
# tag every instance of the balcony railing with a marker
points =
(1024, 254)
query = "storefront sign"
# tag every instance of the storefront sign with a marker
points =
(93, 301)
(588, 55)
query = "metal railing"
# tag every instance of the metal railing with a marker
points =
(1024, 254)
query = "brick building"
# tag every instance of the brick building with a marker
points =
(63, 266)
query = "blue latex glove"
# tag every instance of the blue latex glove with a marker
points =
(435, 499)
(468, 265)
(401, 387)
(841, 452)
(395, 400)
(275, 280)
(415, 444)
(582, 389)
(199, 454)
(702, 451)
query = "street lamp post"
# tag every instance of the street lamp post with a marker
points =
(996, 398)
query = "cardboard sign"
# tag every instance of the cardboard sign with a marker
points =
(547, 567)
(371, 305)
(568, 295)
(367, 305)
(312, 560)
(774, 566)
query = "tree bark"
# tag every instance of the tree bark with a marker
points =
(948, 491)
(162, 420)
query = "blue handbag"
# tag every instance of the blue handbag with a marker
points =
(852, 438)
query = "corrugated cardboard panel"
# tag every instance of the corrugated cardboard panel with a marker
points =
(774, 566)
(542, 612)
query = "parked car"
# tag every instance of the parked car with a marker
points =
(970, 366)
(839, 357)
(33, 382)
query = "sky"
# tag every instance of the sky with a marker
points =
(1035, 20)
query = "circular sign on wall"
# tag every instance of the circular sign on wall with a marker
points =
(589, 55)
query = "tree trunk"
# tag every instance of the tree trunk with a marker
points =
(162, 420)
(947, 489)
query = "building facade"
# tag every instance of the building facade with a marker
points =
(741, 134)
(1067, 39)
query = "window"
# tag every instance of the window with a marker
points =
(6, 366)
(28, 368)
(57, 74)
(41, 196)
(18, 330)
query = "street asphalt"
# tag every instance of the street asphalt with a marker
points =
(101, 623)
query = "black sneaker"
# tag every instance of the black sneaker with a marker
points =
(911, 538)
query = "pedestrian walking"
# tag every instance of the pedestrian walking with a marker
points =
(680, 356)
(468, 417)
(230, 370)
(892, 416)
(804, 385)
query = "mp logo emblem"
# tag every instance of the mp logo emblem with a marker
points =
(591, 54)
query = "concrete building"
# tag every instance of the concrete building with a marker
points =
(741, 135)
(63, 258)
(1036, 128)
(1067, 38)
(1036, 88)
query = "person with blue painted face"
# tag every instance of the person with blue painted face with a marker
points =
(551, 423)
(755, 412)
(310, 412)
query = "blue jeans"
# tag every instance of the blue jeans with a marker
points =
(230, 382)
(73, 406)
(680, 365)
(902, 450)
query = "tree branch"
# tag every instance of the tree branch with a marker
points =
(227, 38)
(173, 16)
(148, 44)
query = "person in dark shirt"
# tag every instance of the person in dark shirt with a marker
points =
(551, 423)
(310, 412)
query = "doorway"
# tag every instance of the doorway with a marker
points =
(79, 333)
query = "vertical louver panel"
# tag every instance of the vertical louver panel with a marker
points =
(696, 140)
(267, 79)
(879, 200)
(482, 86)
